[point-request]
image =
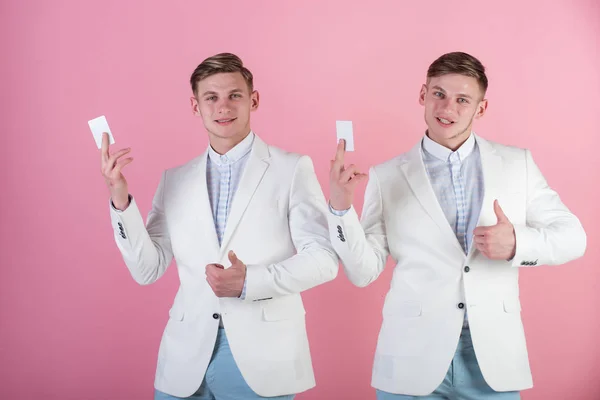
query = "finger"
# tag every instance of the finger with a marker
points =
(355, 180)
(232, 257)
(332, 167)
(112, 160)
(213, 269)
(122, 163)
(336, 169)
(499, 213)
(209, 269)
(479, 231)
(341, 150)
(479, 240)
(213, 276)
(358, 178)
(105, 144)
(482, 249)
(487, 248)
(348, 173)
(209, 281)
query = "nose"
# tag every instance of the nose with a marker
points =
(223, 106)
(448, 106)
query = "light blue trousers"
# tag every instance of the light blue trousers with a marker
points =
(463, 381)
(223, 380)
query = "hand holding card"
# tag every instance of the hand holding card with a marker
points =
(99, 126)
(344, 131)
(112, 164)
(342, 179)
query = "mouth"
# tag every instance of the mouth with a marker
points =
(225, 122)
(444, 121)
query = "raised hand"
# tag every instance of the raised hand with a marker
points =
(342, 180)
(111, 171)
(496, 242)
(227, 282)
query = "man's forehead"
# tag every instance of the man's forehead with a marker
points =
(223, 81)
(455, 83)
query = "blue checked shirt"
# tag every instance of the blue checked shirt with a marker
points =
(223, 173)
(457, 180)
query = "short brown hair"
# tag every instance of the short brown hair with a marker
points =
(459, 63)
(221, 63)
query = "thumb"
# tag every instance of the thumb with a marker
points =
(232, 257)
(499, 213)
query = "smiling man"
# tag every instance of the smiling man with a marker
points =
(460, 216)
(246, 223)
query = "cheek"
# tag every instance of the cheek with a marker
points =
(207, 110)
(207, 116)
(431, 109)
(242, 111)
(468, 113)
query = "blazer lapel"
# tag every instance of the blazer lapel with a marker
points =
(416, 175)
(257, 165)
(491, 167)
(200, 203)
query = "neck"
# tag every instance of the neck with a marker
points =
(453, 143)
(222, 145)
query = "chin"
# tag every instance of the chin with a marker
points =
(446, 134)
(435, 134)
(225, 132)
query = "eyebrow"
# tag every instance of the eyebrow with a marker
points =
(459, 95)
(230, 92)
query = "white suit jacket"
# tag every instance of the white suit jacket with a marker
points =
(432, 287)
(278, 227)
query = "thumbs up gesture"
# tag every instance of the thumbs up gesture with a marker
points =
(227, 282)
(496, 242)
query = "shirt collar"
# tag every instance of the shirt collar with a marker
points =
(444, 153)
(233, 155)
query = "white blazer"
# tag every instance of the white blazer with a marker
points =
(422, 313)
(278, 227)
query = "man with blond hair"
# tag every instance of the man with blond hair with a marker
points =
(246, 223)
(460, 215)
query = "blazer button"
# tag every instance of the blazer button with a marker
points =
(461, 305)
(216, 316)
(467, 269)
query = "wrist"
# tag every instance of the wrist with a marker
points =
(121, 203)
(340, 206)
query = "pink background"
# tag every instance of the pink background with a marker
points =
(74, 325)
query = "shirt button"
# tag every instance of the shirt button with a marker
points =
(467, 269)
(216, 316)
(224, 159)
(461, 305)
